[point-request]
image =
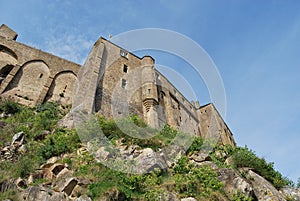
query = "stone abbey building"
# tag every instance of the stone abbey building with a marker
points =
(112, 82)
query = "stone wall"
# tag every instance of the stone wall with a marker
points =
(112, 82)
(31, 76)
(213, 126)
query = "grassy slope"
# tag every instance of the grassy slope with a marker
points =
(183, 179)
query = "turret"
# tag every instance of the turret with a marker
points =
(149, 91)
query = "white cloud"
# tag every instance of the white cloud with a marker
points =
(71, 47)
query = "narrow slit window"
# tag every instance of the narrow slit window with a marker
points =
(125, 68)
(123, 83)
(41, 75)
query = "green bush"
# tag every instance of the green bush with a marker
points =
(241, 197)
(196, 145)
(23, 167)
(298, 183)
(9, 106)
(158, 140)
(60, 142)
(47, 116)
(192, 181)
(243, 157)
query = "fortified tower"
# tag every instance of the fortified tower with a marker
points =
(149, 92)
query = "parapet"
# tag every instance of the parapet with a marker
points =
(147, 61)
(8, 33)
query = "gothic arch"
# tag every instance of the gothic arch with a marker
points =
(61, 89)
(29, 82)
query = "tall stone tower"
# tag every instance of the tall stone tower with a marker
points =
(149, 91)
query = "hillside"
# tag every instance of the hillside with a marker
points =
(43, 161)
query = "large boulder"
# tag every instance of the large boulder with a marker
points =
(199, 157)
(42, 193)
(234, 183)
(263, 189)
(148, 160)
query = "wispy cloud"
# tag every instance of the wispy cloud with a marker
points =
(71, 47)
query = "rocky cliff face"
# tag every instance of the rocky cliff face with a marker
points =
(59, 182)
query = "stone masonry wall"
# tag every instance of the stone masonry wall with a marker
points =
(113, 82)
(31, 76)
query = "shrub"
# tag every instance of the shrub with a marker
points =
(298, 183)
(62, 141)
(243, 157)
(9, 106)
(241, 197)
(23, 167)
(196, 145)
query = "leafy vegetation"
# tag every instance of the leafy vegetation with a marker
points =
(45, 139)
(33, 122)
(243, 157)
(183, 180)
(157, 140)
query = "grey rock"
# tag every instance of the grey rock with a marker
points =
(83, 198)
(18, 138)
(292, 193)
(148, 160)
(22, 149)
(69, 186)
(6, 185)
(41, 193)
(234, 183)
(21, 183)
(207, 163)
(263, 189)
(188, 199)
(200, 157)
(65, 185)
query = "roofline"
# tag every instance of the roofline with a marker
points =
(102, 38)
(219, 115)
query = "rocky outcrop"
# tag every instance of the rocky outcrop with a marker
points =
(199, 157)
(144, 160)
(42, 193)
(291, 193)
(263, 189)
(234, 183)
(55, 170)
(61, 184)
(15, 149)
(148, 160)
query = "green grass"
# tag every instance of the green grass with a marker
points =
(182, 179)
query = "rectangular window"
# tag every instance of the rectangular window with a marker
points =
(125, 68)
(123, 53)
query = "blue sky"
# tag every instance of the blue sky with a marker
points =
(254, 44)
